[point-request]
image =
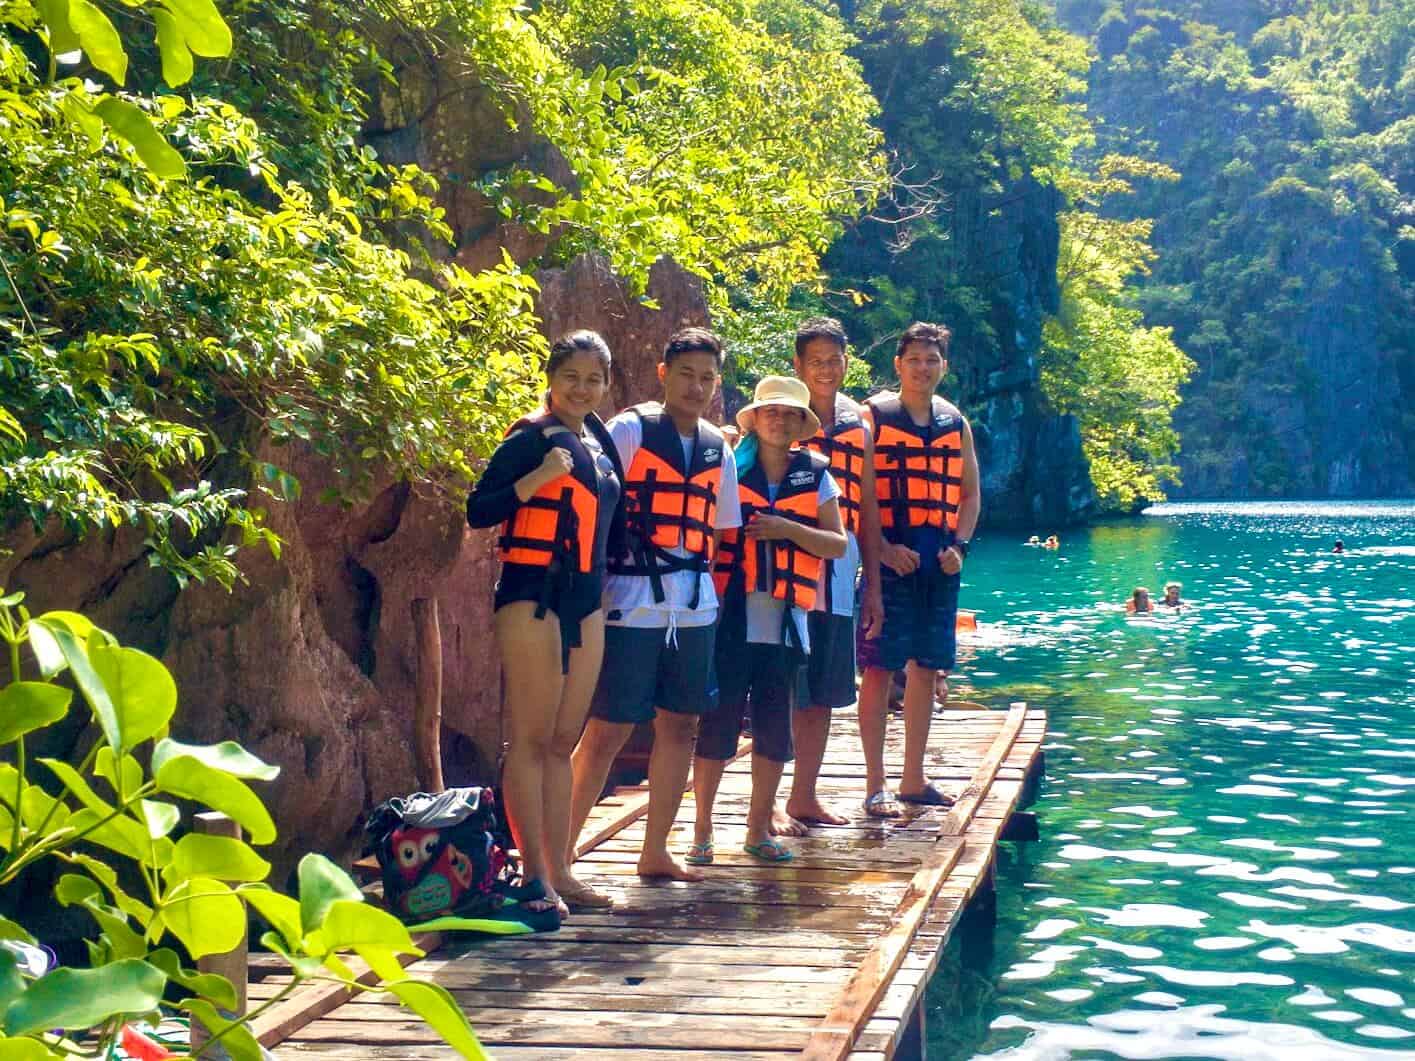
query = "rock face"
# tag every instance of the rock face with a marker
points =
(311, 663)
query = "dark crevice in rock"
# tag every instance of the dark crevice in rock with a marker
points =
(368, 606)
(386, 513)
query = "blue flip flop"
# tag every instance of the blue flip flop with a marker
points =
(769, 851)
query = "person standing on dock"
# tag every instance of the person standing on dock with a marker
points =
(828, 679)
(554, 485)
(767, 575)
(926, 482)
(661, 606)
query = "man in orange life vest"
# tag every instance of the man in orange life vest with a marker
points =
(926, 484)
(680, 490)
(828, 679)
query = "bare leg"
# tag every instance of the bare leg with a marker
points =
(707, 776)
(558, 784)
(918, 714)
(811, 733)
(668, 775)
(530, 663)
(874, 694)
(590, 763)
(766, 780)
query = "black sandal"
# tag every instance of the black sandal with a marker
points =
(931, 796)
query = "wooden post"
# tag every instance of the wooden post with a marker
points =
(234, 965)
(427, 714)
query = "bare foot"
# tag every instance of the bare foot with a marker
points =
(815, 813)
(782, 824)
(666, 866)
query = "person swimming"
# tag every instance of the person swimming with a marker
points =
(1052, 542)
(1139, 602)
(1171, 595)
(1033, 540)
(1339, 546)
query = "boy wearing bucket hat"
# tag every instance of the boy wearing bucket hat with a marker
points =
(926, 484)
(767, 574)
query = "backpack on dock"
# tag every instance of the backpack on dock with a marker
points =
(443, 855)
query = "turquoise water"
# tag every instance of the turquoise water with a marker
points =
(1227, 863)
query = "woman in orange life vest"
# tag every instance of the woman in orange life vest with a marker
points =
(554, 485)
(766, 574)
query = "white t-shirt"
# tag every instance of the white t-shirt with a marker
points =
(764, 612)
(628, 599)
(842, 574)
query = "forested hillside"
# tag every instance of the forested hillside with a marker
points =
(1286, 250)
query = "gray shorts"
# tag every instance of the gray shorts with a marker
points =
(642, 671)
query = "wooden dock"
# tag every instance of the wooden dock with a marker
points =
(827, 956)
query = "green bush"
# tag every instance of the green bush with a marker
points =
(114, 819)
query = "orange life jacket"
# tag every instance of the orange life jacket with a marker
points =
(843, 444)
(781, 568)
(555, 527)
(670, 506)
(918, 470)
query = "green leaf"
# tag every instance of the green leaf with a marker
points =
(304, 967)
(62, 38)
(193, 779)
(177, 66)
(486, 925)
(90, 684)
(348, 924)
(132, 776)
(10, 930)
(124, 835)
(210, 986)
(143, 694)
(122, 941)
(99, 39)
(228, 757)
(12, 984)
(202, 26)
(129, 122)
(72, 888)
(106, 875)
(83, 998)
(222, 857)
(442, 1014)
(281, 911)
(28, 1050)
(205, 915)
(28, 706)
(239, 1042)
(161, 818)
(322, 884)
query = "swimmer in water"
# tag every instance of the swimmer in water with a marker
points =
(1339, 546)
(1139, 602)
(1052, 542)
(1171, 595)
(1033, 540)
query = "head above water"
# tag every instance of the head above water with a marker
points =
(578, 373)
(820, 356)
(921, 359)
(1171, 592)
(1338, 546)
(1140, 598)
(690, 371)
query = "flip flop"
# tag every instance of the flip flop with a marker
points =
(769, 851)
(583, 897)
(882, 805)
(930, 796)
(699, 854)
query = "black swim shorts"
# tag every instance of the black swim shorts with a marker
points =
(645, 668)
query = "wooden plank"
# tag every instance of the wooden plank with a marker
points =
(306, 1004)
(839, 1033)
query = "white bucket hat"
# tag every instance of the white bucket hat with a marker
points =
(781, 390)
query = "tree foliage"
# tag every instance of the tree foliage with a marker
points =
(1286, 254)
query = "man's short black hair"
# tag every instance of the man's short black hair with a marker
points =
(924, 332)
(820, 328)
(692, 341)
